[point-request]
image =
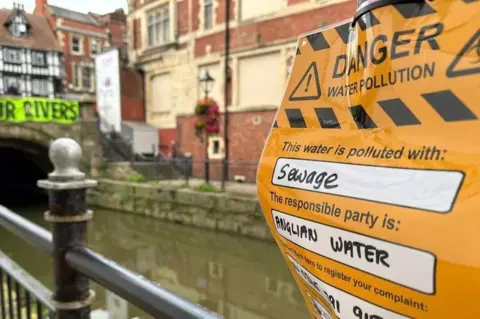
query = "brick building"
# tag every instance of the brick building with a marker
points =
(81, 37)
(30, 56)
(175, 41)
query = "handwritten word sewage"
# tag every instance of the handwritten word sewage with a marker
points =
(301, 231)
(319, 179)
(361, 251)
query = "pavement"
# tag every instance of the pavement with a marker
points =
(246, 189)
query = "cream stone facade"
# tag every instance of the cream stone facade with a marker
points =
(259, 66)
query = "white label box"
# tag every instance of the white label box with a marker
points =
(431, 190)
(345, 305)
(319, 309)
(399, 264)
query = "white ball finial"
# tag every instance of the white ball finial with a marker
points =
(65, 155)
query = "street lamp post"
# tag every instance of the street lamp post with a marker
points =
(206, 83)
(226, 137)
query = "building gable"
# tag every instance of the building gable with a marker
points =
(17, 22)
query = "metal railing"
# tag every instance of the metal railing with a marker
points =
(74, 264)
(115, 141)
(123, 147)
(21, 295)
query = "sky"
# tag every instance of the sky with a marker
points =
(96, 6)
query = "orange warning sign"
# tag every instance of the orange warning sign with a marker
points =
(369, 179)
(305, 89)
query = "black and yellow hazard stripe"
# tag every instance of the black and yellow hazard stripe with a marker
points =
(318, 40)
(445, 103)
(414, 9)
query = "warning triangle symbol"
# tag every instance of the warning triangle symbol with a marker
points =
(467, 61)
(309, 86)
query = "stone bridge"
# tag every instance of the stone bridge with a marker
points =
(24, 152)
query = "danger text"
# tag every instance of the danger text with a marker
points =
(381, 47)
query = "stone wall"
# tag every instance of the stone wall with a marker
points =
(214, 211)
(84, 132)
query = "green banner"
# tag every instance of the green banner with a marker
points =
(19, 110)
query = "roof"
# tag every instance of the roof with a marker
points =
(40, 35)
(117, 16)
(71, 15)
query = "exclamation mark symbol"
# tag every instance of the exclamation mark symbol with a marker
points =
(308, 82)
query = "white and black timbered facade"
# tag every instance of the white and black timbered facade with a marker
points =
(34, 68)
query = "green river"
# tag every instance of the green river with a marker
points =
(236, 277)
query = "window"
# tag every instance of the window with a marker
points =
(93, 46)
(76, 44)
(12, 85)
(40, 87)
(161, 93)
(166, 26)
(151, 30)
(251, 91)
(18, 28)
(82, 76)
(87, 77)
(38, 58)
(76, 75)
(12, 55)
(158, 26)
(215, 147)
(207, 14)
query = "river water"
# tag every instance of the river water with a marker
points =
(239, 278)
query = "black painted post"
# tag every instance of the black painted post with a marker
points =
(207, 161)
(68, 212)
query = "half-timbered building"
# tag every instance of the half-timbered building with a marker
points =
(30, 55)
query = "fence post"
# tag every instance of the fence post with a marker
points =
(68, 213)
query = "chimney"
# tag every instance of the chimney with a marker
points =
(40, 6)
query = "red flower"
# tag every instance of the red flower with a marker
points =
(212, 128)
(213, 110)
(207, 112)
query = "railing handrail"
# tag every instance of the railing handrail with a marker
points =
(29, 283)
(110, 128)
(141, 292)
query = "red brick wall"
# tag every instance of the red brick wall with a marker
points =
(83, 26)
(246, 143)
(165, 138)
(221, 11)
(70, 58)
(182, 19)
(132, 95)
(116, 31)
(283, 28)
(195, 12)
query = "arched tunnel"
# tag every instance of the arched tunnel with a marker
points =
(22, 164)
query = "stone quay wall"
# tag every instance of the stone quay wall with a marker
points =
(215, 211)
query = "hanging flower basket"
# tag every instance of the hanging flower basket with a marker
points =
(206, 122)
